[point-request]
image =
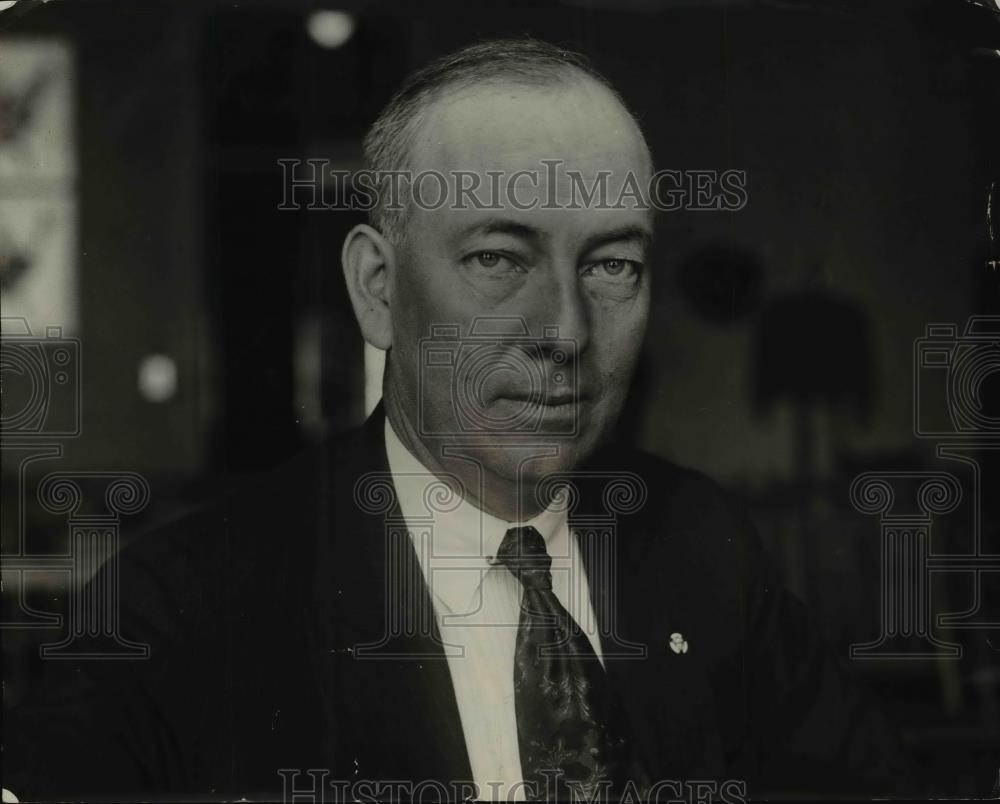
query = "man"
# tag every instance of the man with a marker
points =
(475, 595)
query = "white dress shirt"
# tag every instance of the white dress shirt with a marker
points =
(477, 608)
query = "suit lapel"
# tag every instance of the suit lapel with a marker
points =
(662, 694)
(391, 705)
(393, 712)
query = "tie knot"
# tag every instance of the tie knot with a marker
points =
(523, 552)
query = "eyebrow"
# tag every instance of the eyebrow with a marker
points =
(630, 232)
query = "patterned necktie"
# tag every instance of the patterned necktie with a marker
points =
(560, 692)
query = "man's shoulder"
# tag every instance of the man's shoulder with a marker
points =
(668, 488)
(677, 516)
(242, 527)
(268, 519)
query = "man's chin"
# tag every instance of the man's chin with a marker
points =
(529, 459)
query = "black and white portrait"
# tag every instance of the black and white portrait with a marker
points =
(571, 400)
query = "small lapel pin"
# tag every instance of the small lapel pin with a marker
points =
(677, 643)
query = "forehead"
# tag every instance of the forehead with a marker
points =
(505, 128)
(502, 125)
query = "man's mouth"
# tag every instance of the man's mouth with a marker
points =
(557, 399)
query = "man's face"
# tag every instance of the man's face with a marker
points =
(546, 307)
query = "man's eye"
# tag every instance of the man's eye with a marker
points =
(487, 259)
(615, 268)
(491, 261)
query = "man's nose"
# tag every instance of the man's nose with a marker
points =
(564, 312)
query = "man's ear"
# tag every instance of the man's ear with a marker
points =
(369, 262)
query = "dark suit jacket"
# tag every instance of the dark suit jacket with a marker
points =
(255, 611)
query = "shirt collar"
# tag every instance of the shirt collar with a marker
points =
(453, 538)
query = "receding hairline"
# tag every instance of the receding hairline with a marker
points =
(414, 108)
(470, 91)
(390, 142)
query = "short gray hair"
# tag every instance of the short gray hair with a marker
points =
(525, 61)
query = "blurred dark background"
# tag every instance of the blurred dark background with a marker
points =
(216, 338)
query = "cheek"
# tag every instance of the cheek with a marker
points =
(617, 338)
(412, 316)
(427, 293)
(418, 303)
